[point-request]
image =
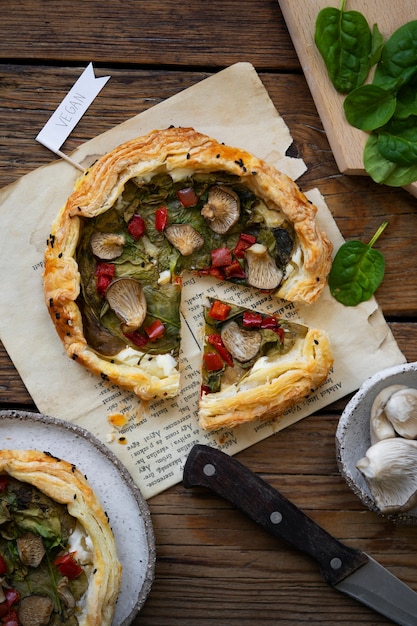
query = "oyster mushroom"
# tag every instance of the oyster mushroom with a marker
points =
(107, 246)
(242, 344)
(184, 238)
(390, 470)
(222, 209)
(65, 594)
(30, 549)
(401, 411)
(380, 426)
(261, 269)
(126, 298)
(35, 610)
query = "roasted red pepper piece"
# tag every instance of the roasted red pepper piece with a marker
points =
(161, 218)
(269, 321)
(251, 319)
(234, 270)
(187, 197)
(12, 596)
(216, 341)
(155, 330)
(104, 274)
(137, 338)
(219, 311)
(216, 272)
(136, 226)
(213, 362)
(68, 566)
(220, 257)
(10, 619)
(244, 242)
(3, 566)
(3, 482)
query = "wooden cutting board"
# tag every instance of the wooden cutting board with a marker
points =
(347, 143)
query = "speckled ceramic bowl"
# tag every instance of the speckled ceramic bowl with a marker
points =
(353, 438)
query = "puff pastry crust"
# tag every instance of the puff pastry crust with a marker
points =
(65, 484)
(179, 152)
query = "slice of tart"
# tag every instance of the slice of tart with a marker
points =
(256, 366)
(58, 555)
(143, 214)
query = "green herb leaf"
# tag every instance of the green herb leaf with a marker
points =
(382, 170)
(397, 141)
(376, 46)
(369, 107)
(398, 63)
(407, 100)
(344, 40)
(357, 271)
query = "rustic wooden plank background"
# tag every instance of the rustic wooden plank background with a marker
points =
(213, 565)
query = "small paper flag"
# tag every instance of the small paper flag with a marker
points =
(70, 111)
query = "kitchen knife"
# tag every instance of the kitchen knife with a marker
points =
(345, 568)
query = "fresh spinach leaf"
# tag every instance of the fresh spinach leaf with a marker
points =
(397, 141)
(344, 40)
(382, 170)
(357, 271)
(390, 154)
(369, 107)
(398, 63)
(376, 45)
(407, 100)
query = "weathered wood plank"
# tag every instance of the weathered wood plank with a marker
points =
(148, 33)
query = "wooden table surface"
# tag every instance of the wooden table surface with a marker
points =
(214, 566)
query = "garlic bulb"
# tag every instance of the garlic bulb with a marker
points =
(390, 469)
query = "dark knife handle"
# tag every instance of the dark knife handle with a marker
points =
(209, 467)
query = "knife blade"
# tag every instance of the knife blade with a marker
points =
(347, 569)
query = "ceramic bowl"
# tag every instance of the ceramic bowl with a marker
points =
(353, 438)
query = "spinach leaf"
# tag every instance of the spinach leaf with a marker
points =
(390, 154)
(344, 40)
(397, 141)
(398, 62)
(382, 170)
(376, 45)
(407, 100)
(369, 107)
(357, 271)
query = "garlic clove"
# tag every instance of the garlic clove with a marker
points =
(390, 470)
(401, 411)
(380, 426)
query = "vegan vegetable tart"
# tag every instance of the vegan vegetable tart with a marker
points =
(58, 556)
(172, 201)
